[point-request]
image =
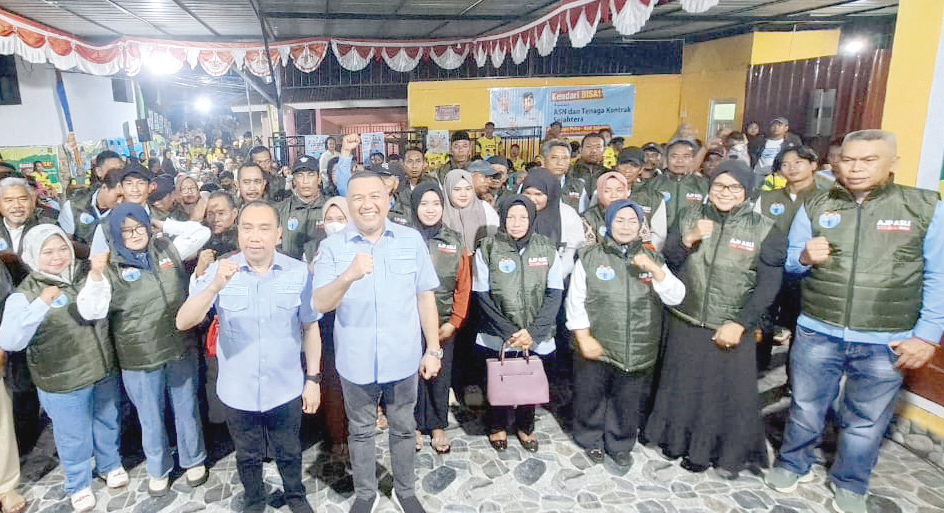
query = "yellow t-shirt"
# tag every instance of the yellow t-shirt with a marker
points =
(609, 157)
(487, 146)
(773, 181)
(434, 160)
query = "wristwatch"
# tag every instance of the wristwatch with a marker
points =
(437, 354)
(314, 379)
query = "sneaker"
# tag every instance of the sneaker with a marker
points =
(596, 456)
(196, 476)
(364, 505)
(783, 480)
(847, 501)
(408, 504)
(117, 478)
(83, 500)
(158, 487)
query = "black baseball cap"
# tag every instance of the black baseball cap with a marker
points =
(305, 163)
(498, 159)
(651, 146)
(631, 155)
(136, 169)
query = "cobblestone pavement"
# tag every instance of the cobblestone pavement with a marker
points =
(473, 478)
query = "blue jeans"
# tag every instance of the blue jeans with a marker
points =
(85, 424)
(817, 362)
(146, 391)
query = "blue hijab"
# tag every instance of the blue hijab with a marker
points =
(116, 219)
(618, 205)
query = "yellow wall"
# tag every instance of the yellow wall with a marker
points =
(770, 47)
(917, 32)
(655, 119)
(714, 70)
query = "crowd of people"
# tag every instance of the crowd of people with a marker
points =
(651, 280)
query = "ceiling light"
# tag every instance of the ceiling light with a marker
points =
(203, 104)
(163, 63)
(854, 46)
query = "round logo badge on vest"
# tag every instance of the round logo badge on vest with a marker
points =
(3, 245)
(778, 209)
(507, 265)
(60, 301)
(830, 219)
(131, 274)
(292, 224)
(86, 218)
(602, 231)
(667, 196)
(606, 273)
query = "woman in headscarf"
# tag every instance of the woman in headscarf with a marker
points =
(555, 220)
(614, 307)
(334, 218)
(140, 291)
(464, 212)
(519, 285)
(71, 360)
(730, 258)
(453, 266)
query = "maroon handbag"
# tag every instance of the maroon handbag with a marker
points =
(516, 381)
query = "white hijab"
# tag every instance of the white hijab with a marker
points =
(33, 242)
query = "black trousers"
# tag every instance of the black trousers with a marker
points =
(25, 401)
(609, 405)
(250, 429)
(432, 399)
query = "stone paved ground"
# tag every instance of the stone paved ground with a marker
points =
(476, 479)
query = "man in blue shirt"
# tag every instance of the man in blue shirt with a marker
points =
(872, 255)
(379, 278)
(263, 299)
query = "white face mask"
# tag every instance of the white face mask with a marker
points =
(333, 227)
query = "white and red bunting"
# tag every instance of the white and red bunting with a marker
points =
(579, 19)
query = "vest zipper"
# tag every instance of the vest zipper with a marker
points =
(629, 312)
(524, 293)
(855, 257)
(711, 271)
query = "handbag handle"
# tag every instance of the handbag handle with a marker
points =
(506, 347)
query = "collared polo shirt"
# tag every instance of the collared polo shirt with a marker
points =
(261, 321)
(377, 333)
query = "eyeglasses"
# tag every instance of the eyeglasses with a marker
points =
(137, 230)
(734, 188)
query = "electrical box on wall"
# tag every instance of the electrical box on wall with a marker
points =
(820, 113)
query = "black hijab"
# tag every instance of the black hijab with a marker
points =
(505, 206)
(428, 232)
(547, 222)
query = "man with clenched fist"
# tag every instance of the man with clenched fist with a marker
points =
(263, 299)
(380, 278)
(872, 256)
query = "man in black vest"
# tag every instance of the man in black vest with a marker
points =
(872, 255)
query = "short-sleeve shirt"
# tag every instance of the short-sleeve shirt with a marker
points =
(377, 333)
(261, 332)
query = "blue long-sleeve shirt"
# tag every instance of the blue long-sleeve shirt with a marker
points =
(930, 325)
(344, 173)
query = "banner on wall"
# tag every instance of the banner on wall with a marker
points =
(372, 142)
(437, 141)
(580, 109)
(24, 158)
(315, 145)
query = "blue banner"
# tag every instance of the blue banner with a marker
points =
(580, 109)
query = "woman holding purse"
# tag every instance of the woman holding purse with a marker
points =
(519, 285)
(614, 308)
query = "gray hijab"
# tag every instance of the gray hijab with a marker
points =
(470, 221)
